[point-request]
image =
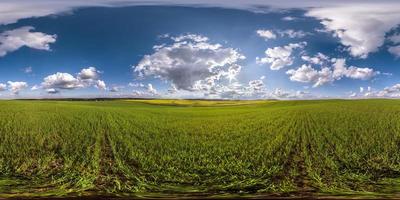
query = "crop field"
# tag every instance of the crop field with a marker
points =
(172, 148)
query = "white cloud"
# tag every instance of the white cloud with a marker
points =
(307, 74)
(340, 70)
(172, 89)
(35, 87)
(352, 94)
(318, 59)
(146, 91)
(151, 89)
(12, 40)
(28, 70)
(52, 91)
(100, 85)
(292, 33)
(280, 57)
(395, 50)
(361, 89)
(395, 39)
(85, 78)
(115, 88)
(256, 85)
(136, 84)
(387, 92)
(279, 93)
(266, 34)
(11, 11)
(289, 18)
(3, 87)
(90, 73)
(361, 27)
(191, 64)
(16, 87)
(61, 81)
(193, 37)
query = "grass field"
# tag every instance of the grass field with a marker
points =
(165, 147)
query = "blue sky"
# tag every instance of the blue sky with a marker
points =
(200, 49)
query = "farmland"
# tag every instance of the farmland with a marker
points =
(170, 147)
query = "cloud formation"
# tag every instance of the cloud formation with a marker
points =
(3, 87)
(395, 50)
(65, 81)
(61, 80)
(28, 70)
(387, 92)
(190, 63)
(12, 40)
(307, 74)
(360, 27)
(17, 86)
(271, 34)
(266, 34)
(280, 57)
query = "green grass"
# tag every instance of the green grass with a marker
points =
(151, 148)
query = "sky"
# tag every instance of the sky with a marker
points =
(200, 49)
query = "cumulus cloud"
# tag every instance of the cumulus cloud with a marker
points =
(193, 37)
(90, 73)
(387, 92)
(191, 63)
(290, 33)
(136, 84)
(14, 11)
(12, 40)
(318, 59)
(151, 89)
(393, 91)
(266, 34)
(3, 87)
(280, 93)
(359, 27)
(100, 85)
(145, 91)
(352, 94)
(61, 81)
(280, 57)
(52, 91)
(395, 38)
(115, 88)
(252, 90)
(35, 87)
(16, 87)
(340, 70)
(307, 74)
(395, 50)
(256, 85)
(65, 81)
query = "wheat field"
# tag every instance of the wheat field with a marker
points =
(204, 148)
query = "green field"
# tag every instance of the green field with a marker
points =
(170, 148)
